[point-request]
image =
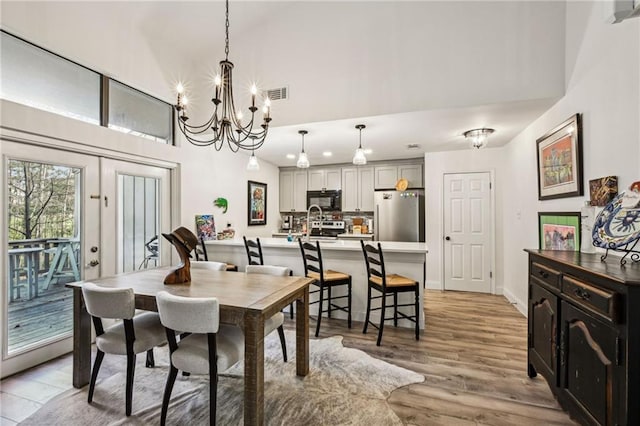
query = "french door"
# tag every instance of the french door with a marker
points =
(69, 217)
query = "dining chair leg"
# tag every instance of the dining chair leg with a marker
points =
(417, 312)
(366, 318)
(94, 374)
(283, 343)
(349, 304)
(383, 311)
(151, 362)
(131, 367)
(173, 372)
(320, 310)
(329, 302)
(395, 309)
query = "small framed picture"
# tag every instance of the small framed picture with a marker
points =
(560, 161)
(603, 190)
(257, 203)
(205, 227)
(559, 230)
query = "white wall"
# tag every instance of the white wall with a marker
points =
(603, 84)
(435, 166)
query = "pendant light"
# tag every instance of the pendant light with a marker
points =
(303, 161)
(253, 162)
(358, 158)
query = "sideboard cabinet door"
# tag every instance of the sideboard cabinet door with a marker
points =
(592, 366)
(543, 327)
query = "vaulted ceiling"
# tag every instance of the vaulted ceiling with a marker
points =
(415, 72)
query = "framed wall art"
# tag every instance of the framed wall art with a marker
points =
(257, 203)
(603, 190)
(205, 227)
(560, 161)
(559, 230)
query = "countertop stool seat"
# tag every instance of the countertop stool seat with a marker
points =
(387, 285)
(325, 279)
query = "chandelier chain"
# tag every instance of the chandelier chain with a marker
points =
(226, 40)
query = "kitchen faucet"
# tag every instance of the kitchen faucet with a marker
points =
(308, 220)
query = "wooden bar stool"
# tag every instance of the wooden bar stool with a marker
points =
(254, 256)
(312, 259)
(387, 285)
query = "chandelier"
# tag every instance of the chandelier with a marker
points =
(225, 122)
(478, 137)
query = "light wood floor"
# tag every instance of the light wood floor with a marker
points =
(473, 356)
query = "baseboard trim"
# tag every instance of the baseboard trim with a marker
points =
(520, 306)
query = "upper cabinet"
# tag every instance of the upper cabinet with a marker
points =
(293, 191)
(324, 179)
(357, 189)
(386, 177)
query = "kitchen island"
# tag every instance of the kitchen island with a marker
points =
(403, 258)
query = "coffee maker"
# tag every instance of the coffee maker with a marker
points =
(287, 222)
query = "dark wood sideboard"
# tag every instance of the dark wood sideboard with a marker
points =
(584, 334)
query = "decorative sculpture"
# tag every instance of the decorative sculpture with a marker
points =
(184, 241)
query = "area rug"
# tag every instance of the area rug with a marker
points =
(344, 387)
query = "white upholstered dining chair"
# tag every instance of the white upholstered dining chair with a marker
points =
(277, 320)
(209, 264)
(209, 348)
(134, 335)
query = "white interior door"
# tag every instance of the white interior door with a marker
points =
(468, 232)
(136, 202)
(51, 236)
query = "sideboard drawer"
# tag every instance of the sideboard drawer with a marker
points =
(545, 274)
(602, 301)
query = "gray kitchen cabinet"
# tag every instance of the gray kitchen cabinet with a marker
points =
(412, 173)
(324, 179)
(357, 189)
(386, 177)
(293, 191)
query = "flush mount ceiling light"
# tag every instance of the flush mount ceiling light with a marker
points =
(225, 122)
(478, 137)
(303, 161)
(359, 158)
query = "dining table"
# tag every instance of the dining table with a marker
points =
(245, 300)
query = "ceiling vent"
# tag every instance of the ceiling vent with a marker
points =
(278, 94)
(413, 146)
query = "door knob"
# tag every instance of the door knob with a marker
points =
(448, 238)
(94, 262)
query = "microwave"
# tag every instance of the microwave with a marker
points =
(328, 201)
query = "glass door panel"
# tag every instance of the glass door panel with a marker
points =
(49, 211)
(140, 213)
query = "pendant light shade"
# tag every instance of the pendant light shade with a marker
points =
(359, 158)
(303, 161)
(253, 163)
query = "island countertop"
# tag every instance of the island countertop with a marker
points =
(345, 245)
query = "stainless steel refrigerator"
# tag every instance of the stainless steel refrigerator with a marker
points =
(399, 215)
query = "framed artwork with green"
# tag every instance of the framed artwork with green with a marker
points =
(559, 230)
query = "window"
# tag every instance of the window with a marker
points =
(137, 113)
(37, 78)
(40, 79)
